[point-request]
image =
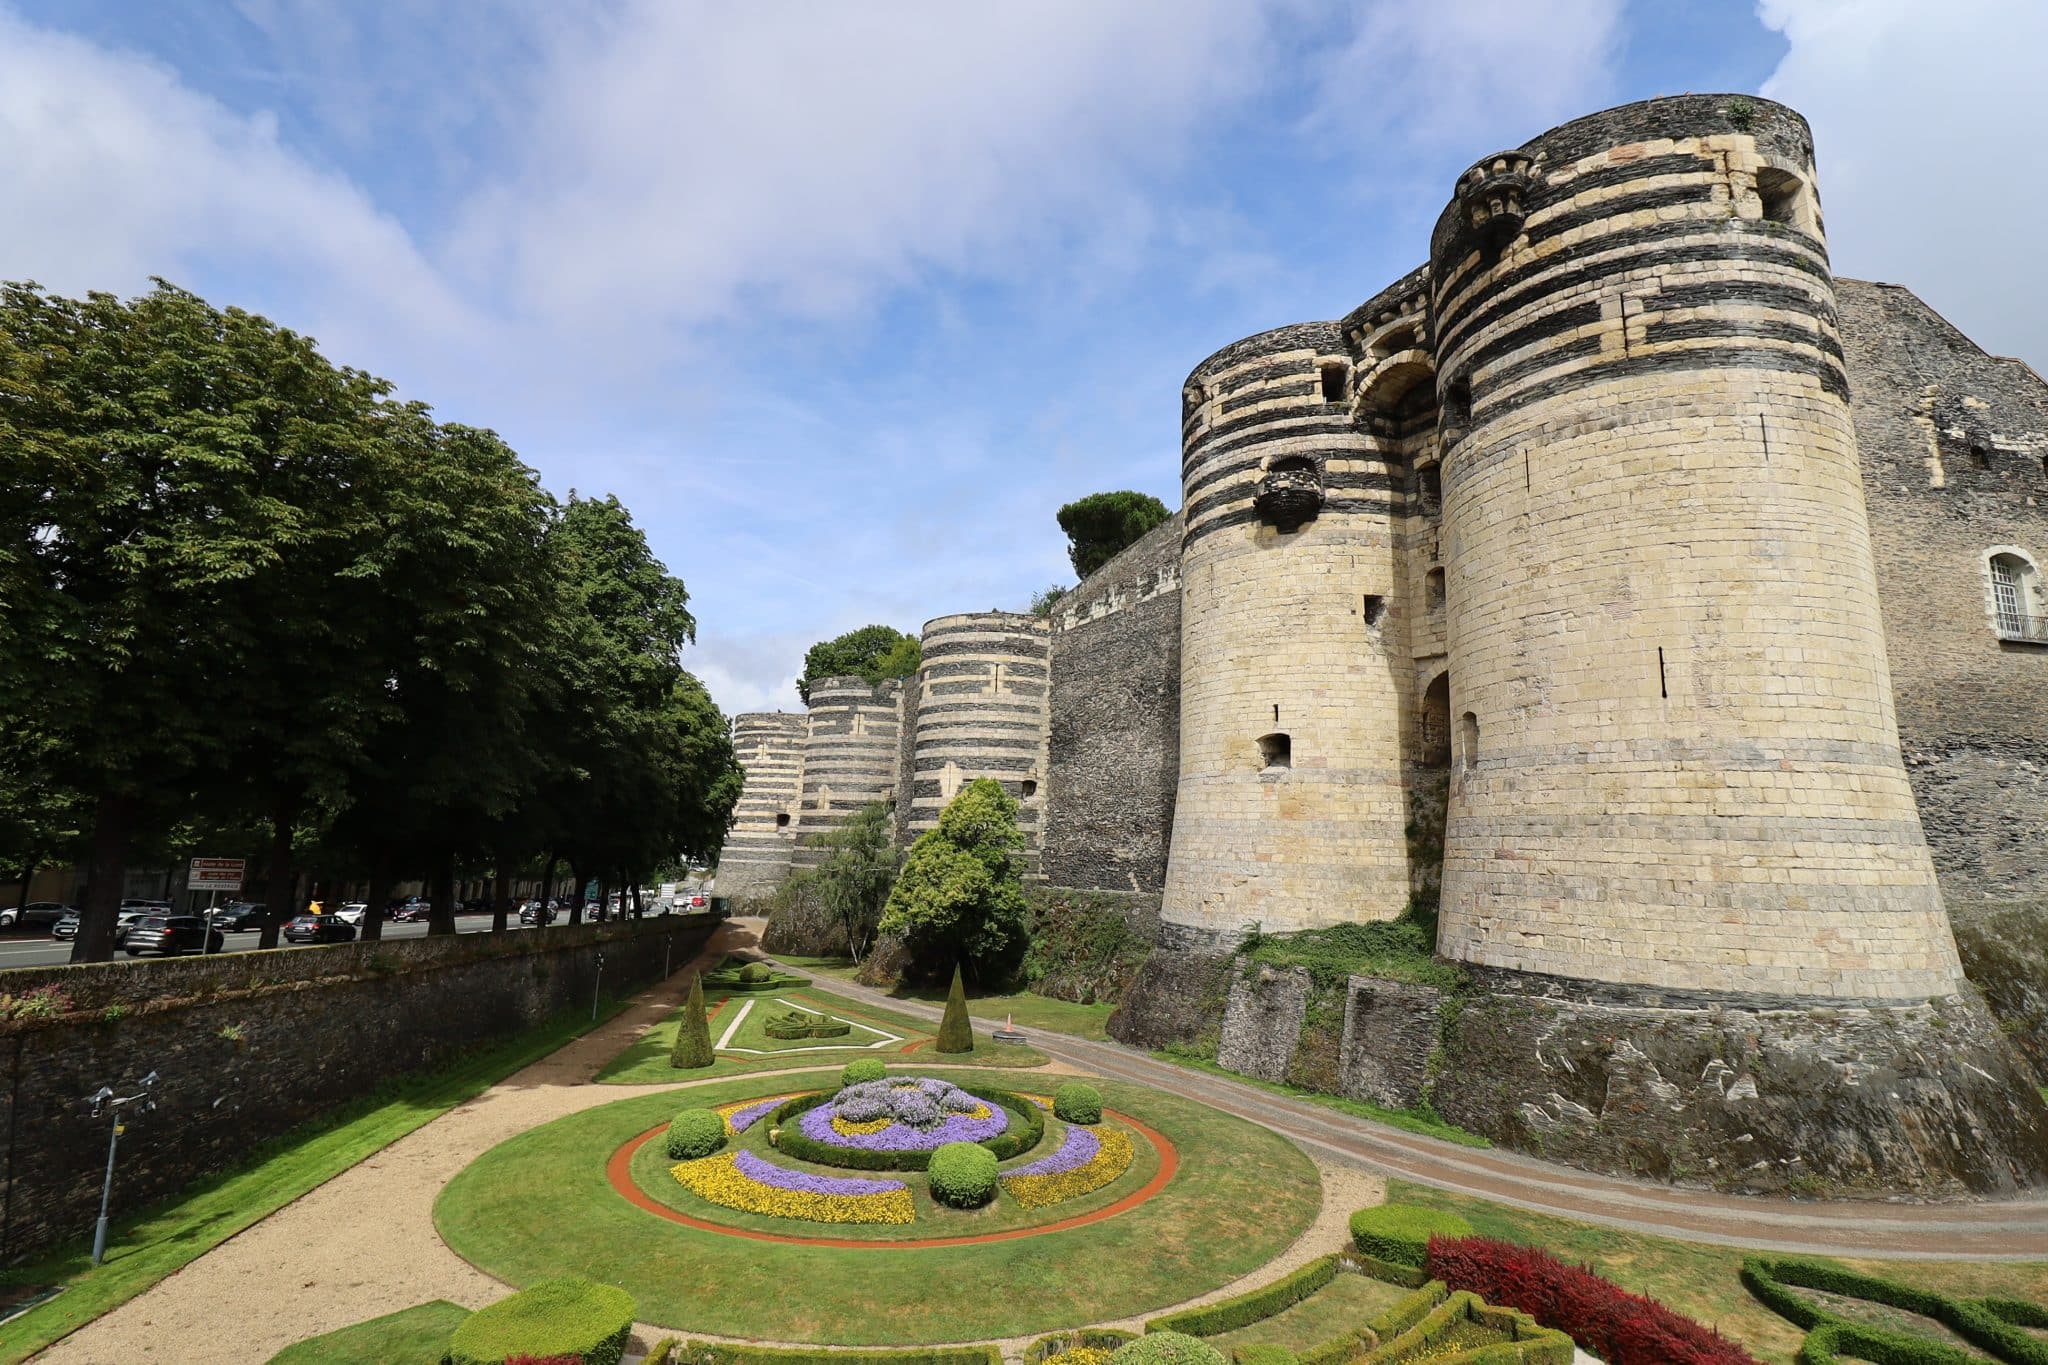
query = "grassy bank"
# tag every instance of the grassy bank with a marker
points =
(1026, 1010)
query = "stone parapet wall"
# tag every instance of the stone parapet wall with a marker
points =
(248, 1046)
(756, 857)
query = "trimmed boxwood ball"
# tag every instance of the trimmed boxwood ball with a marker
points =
(1167, 1348)
(962, 1174)
(694, 1133)
(1077, 1103)
(755, 972)
(568, 1317)
(861, 1071)
(1400, 1232)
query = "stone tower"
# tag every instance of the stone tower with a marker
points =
(849, 756)
(1676, 760)
(981, 712)
(1290, 807)
(770, 746)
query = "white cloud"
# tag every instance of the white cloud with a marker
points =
(1927, 122)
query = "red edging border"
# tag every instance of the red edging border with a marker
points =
(619, 1170)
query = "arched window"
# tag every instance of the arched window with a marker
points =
(2016, 607)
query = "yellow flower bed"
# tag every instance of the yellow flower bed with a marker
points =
(1080, 1355)
(718, 1180)
(727, 1111)
(848, 1128)
(1111, 1160)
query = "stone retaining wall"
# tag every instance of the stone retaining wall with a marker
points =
(248, 1046)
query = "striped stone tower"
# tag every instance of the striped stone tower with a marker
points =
(981, 712)
(849, 756)
(1290, 808)
(770, 746)
(1677, 763)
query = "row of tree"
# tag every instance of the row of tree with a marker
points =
(249, 598)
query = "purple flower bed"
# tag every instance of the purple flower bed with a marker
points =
(754, 1168)
(1077, 1151)
(924, 1115)
(743, 1119)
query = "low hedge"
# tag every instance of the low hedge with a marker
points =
(962, 1175)
(752, 977)
(1167, 1348)
(1259, 1353)
(567, 1317)
(805, 1024)
(1619, 1327)
(1400, 1232)
(1096, 1338)
(1075, 1102)
(1996, 1325)
(1026, 1130)
(735, 1353)
(1528, 1342)
(1395, 1319)
(1254, 1306)
(1393, 1272)
(695, 1133)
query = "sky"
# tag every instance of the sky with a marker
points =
(845, 300)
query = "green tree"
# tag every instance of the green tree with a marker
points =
(872, 652)
(692, 1049)
(1042, 603)
(857, 874)
(956, 1033)
(960, 895)
(1102, 526)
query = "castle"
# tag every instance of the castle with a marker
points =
(1668, 607)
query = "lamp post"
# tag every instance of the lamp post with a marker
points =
(596, 989)
(104, 1099)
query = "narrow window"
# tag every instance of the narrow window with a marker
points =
(1429, 482)
(2012, 600)
(1334, 377)
(1276, 751)
(1980, 457)
(1663, 687)
(782, 819)
(1780, 191)
(1433, 588)
(1030, 787)
(1457, 403)
(1468, 731)
(1374, 605)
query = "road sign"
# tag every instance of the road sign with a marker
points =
(216, 874)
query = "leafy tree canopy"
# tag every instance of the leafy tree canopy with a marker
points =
(960, 896)
(872, 652)
(1101, 526)
(1042, 603)
(858, 873)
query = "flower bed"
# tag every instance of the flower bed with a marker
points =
(896, 1124)
(746, 1182)
(1085, 1162)
(746, 1113)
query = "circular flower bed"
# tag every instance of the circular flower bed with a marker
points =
(1087, 1160)
(744, 1181)
(897, 1123)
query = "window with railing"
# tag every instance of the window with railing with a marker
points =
(2016, 606)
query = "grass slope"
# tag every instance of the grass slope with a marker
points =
(1027, 1010)
(540, 1205)
(145, 1248)
(1702, 1281)
(1406, 1120)
(416, 1336)
(1343, 1305)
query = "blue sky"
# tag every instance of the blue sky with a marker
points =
(845, 299)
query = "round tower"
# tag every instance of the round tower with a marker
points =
(1676, 763)
(981, 712)
(849, 757)
(1290, 808)
(770, 746)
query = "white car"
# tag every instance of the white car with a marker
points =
(352, 913)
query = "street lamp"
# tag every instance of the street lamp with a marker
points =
(104, 1099)
(596, 989)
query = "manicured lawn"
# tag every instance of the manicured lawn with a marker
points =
(540, 1205)
(1407, 1122)
(646, 1061)
(144, 1249)
(743, 1028)
(1028, 1011)
(1342, 1306)
(417, 1336)
(1702, 1281)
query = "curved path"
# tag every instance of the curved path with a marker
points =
(2010, 1230)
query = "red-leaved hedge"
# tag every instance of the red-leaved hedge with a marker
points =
(1619, 1327)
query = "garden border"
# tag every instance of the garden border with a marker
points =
(619, 1171)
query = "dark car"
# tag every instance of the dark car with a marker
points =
(171, 935)
(237, 916)
(35, 915)
(537, 914)
(319, 929)
(131, 911)
(476, 907)
(66, 927)
(411, 911)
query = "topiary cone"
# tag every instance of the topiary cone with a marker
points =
(693, 1038)
(956, 1034)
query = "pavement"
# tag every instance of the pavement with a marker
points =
(2001, 1230)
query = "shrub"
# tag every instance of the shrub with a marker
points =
(754, 973)
(962, 1174)
(567, 1317)
(956, 1034)
(1102, 1339)
(805, 1024)
(1262, 1354)
(1026, 1130)
(1077, 1103)
(861, 1071)
(693, 1034)
(1619, 1327)
(695, 1133)
(1256, 1306)
(1400, 1232)
(1167, 1348)
(1993, 1324)
(960, 894)
(740, 1353)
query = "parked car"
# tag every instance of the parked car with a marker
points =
(411, 911)
(237, 916)
(35, 915)
(475, 907)
(319, 929)
(532, 913)
(352, 913)
(171, 935)
(66, 927)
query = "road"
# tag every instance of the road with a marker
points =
(40, 950)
